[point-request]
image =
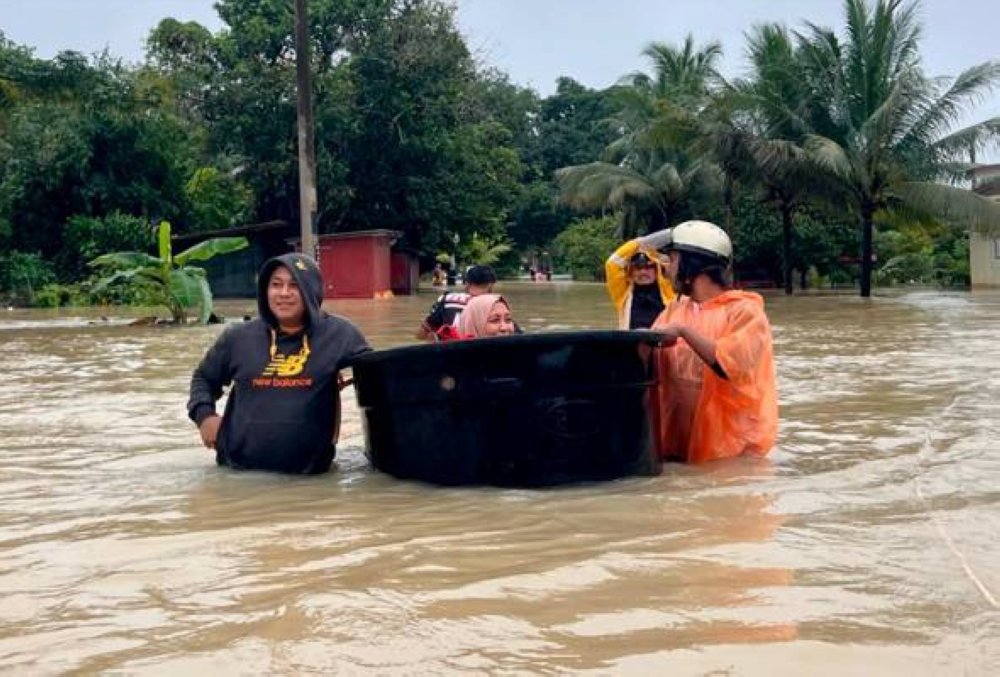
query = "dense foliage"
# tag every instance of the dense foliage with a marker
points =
(830, 144)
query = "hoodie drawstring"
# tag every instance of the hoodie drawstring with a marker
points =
(303, 352)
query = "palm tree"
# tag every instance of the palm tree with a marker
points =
(649, 187)
(754, 129)
(882, 130)
(649, 172)
(679, 73)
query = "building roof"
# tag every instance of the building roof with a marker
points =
(378, 232)
(989, 187)
(976, 170)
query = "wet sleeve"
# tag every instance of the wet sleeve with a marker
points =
(615, 277)
(212, 374)
(435, 319)
(353, 345)
(740, 349)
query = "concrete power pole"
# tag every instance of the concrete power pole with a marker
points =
(307, 150)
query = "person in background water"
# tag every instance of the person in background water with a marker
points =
(284, 405)
(438, 277)
(637, 286)
(447, 309)
(717, 396)
(486, 315)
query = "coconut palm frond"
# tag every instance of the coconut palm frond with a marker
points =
(669, 179)
(688, 71)
(830, 156)
(954, 172)
(938, 113)
(774, 156)
(969, 141)
(960, 206)
(886, 124)
(601, 185)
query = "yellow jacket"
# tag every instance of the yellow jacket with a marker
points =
(620, 286)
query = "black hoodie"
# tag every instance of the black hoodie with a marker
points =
(284, 401)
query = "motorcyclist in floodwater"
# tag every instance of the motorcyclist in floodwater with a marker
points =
(717, 396)
(441, 323)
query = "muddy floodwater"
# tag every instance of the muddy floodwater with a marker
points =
(867, 543)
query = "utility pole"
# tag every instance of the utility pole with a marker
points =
(307, 150)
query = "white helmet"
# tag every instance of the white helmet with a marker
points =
(702, 237)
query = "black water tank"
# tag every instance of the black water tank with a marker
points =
(526, 410)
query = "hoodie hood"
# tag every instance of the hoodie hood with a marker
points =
(307, 276)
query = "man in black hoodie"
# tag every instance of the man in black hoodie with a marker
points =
(284, 404)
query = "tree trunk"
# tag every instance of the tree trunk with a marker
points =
(729, 196)
(658, 220)
(786, 245)
(866, 250)
(305, 122)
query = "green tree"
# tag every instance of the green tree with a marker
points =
(218, 200)
(684, 75)
(883, 130)
(424, 160)
(573, 128)
(585, 246)
(22, 275)
(652, 171)
(754, 129)
(85, 238)
(652, 189)
(82, 140)
(570, 127)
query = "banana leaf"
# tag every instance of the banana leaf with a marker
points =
(209, 248)
(184, 288)
(191, 290)
(206, 299)
(105, 283)
(163, 240)
(125, 260)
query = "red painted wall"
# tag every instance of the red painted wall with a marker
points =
(355, 265)
(404, 273)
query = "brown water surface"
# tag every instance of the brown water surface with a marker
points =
(867, 543)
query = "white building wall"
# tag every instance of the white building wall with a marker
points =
(984, 252)
(984, 260)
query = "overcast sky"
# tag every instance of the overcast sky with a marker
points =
(536, 41)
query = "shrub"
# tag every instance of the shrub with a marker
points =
(585, 245)
(85, 238)
(217, 200)
(22, 275)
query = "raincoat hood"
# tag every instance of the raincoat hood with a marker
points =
(307, 276)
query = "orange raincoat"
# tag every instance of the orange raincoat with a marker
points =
(700, 415)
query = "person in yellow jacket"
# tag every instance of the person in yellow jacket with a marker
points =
(636, 283)
(717, 396)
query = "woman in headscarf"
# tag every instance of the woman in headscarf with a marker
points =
(486, 315)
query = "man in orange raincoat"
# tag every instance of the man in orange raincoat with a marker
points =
(717, 396)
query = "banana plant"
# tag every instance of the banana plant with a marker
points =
(168, 280)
